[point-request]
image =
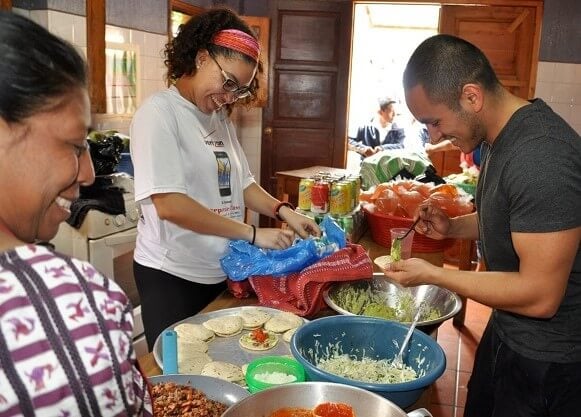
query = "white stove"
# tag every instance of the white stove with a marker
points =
(98, 224)
(107, 242)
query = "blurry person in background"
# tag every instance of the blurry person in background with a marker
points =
(192, 180)
(528, 217)
(380, 133)
(66, 330)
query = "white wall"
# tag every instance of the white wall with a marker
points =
(560, 86)
(148, 45)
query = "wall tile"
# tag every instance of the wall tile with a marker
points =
(80, 30)
(115, 34)
(546, 71)
(61, 24)
(576, 115)
(565, 73)
(25, 13)
(563, 110)
(151, 68)
(40, 17)
(576, 92)
(148, 87)
(559, 84)
(544, 91)
(562, 92)
(154, 44)
(137, 37)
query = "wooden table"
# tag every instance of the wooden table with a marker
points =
(227, 300)
(287, 182)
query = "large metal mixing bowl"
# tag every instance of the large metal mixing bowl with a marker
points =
(310, 394)
(445, 301)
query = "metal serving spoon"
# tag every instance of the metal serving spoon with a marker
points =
(409, 230)
(395, 252)
(398, 360)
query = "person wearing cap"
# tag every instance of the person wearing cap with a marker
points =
(192, 180)
(380, 133)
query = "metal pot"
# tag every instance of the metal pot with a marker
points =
(310, 394)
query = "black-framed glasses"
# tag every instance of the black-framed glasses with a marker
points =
(232, 86)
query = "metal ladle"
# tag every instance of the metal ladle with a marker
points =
(398, 360)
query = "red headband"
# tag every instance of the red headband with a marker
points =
(238, 40)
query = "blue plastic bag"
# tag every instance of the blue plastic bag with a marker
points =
(244, 260)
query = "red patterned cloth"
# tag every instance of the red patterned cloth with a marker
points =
(302, 292)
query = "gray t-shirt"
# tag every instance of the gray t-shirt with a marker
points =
(530, 181)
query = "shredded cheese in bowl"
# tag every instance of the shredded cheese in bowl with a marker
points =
(366, 369)
(275, 377)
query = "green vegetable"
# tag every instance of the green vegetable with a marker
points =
(363, 300)
(353, 299)
(396, 250)
(380, 310)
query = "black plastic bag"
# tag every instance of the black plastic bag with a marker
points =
(105, 152)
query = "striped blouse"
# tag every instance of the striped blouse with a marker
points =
(66, 340)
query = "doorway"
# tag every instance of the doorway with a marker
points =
(384, 37)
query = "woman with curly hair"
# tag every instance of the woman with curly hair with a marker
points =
(192, 180)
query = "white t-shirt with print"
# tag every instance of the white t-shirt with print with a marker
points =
(176, 148)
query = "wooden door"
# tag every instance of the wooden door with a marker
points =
(304, 122)
(508, 35)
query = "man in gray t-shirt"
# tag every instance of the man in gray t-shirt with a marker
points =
(528, 217)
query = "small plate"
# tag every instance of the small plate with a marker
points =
(383, 262)
(215, 389)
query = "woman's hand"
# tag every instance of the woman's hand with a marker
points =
(411, 272)
(272, 238)
(434, 223)
(302, 225)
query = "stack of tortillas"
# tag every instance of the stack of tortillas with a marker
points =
(192, 347)
(193, 340)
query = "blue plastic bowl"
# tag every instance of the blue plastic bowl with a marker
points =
(378, 339)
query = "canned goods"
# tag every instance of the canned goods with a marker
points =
(352, 193)
(346, 223)
(320, 197)
(305, 188)
(340, 198)
(356, 181)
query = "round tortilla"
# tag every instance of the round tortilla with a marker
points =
(253, 318)
(195, 345)
(189, 331)
(224, 326)
(282, 322)
(223, 370)
(247, 342)
(193, 362)
(287, 336)
(384, 262)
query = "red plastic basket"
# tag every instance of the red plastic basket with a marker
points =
(380, 224)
